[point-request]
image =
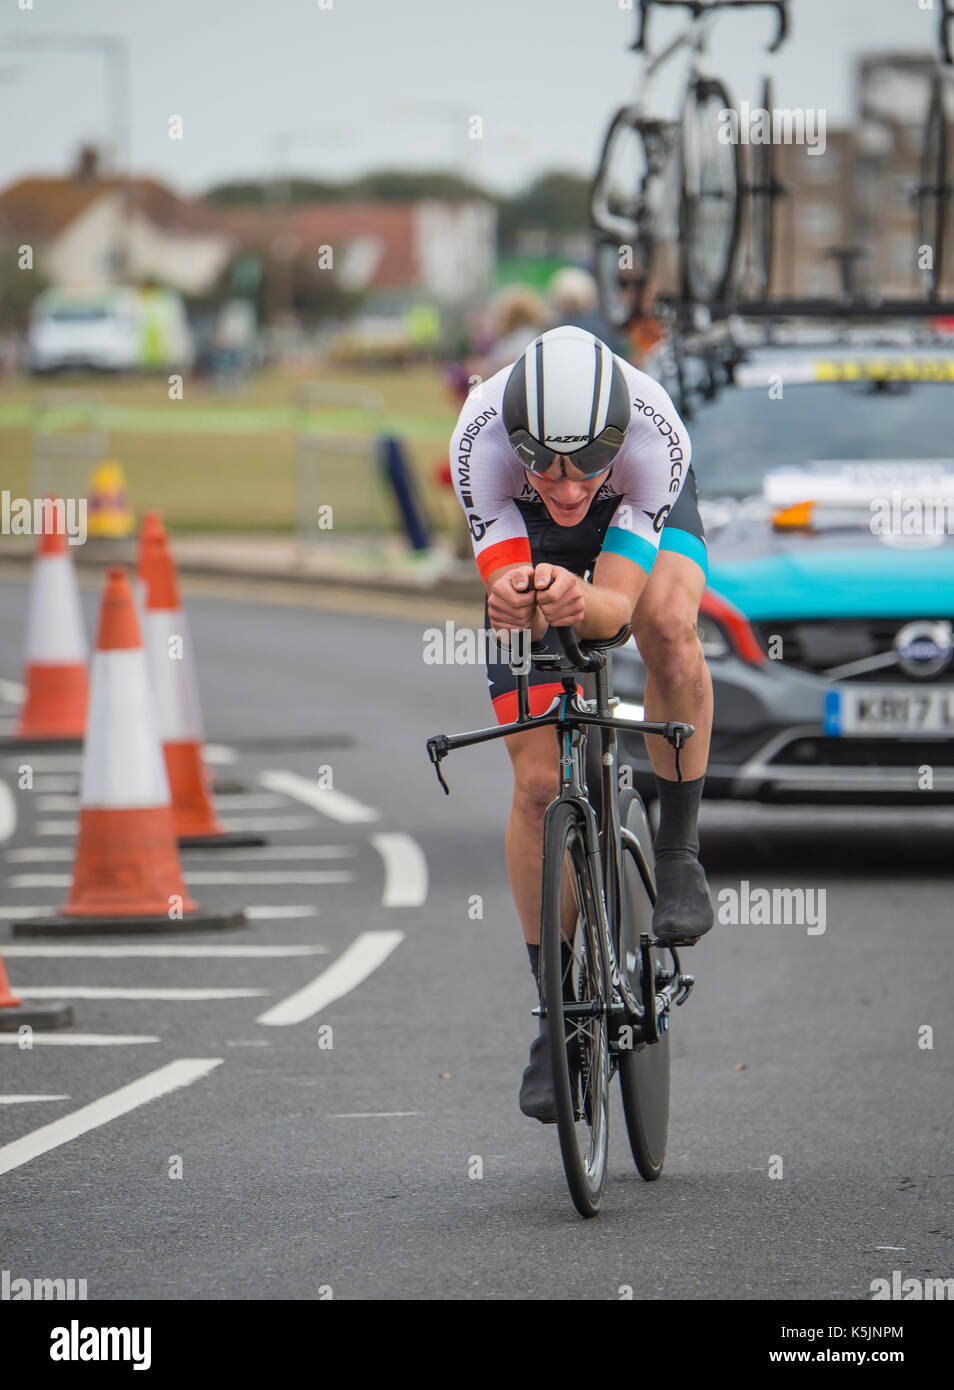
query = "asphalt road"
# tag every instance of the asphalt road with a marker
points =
(351, 1166)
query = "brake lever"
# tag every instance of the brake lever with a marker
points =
(436, 750)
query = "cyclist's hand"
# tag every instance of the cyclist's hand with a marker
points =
(558, 595)
(512, 603)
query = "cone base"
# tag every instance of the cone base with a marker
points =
(221, 786)
(41, 1016)
(55, 742)
(203, 919)
(229, 839)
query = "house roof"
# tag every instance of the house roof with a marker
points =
(44, 207)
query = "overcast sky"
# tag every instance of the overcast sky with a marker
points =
(372, 83)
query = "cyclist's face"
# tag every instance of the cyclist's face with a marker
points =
(567, 499)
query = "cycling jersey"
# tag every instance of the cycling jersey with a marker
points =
(508, 521)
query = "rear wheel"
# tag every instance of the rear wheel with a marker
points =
(643, 1067)
(578, 1030)
(934, 190)
(711, 195)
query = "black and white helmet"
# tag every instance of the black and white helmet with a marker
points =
(566, 396)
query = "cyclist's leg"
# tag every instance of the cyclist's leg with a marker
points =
(678, 686)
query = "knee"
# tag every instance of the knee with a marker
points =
(665, 633)
(533, 790)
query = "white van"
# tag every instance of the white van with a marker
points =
(116, 329)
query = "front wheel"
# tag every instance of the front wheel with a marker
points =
(575, 996)
(643, 1067)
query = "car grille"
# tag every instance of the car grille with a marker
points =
(821, 644)
(910, 753)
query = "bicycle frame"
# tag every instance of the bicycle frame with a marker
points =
(602, 843)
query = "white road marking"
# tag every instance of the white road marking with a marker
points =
(337, 805)
(11, 692)
(189, 950)
(8, 812)
(52, 854)
(201, 876)
(259, 824)
(47, 762)
(25, 912)
(109, 1107)
(25, 1100)
(352, 967)
(258, 913)
(374, 1114)
(248, 801)
(218, 754)
(119, 992)
(50, 782)
(82, 1039)
(405, 869)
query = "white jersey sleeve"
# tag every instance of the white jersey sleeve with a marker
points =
(487, 477)
(649, 470)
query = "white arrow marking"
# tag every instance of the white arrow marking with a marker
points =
(338, 805)
(351, 968)
(109, 992)
(405, 870)
(109, 1107)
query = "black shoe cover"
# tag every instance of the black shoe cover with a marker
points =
(536, 1089)
(683, 909)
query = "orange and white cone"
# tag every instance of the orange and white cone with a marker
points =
(15, 1015)
(56, 693)
(172, 669)
(126, 872)
(151, 528)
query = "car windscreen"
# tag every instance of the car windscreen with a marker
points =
(743, 433)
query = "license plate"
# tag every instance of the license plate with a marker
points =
(856, 711)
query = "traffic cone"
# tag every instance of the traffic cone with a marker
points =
(14, 1016)
(172, 668)
(126, 872)
(54, 707)
(151, 528)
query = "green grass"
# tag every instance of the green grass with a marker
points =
(220, 461)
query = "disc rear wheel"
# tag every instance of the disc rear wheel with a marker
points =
(643, 1067)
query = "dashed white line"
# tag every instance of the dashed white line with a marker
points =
(8, 812)
(205, 877)
(247, 801)
(374, 1114)
(54, 854)
(405, 869)
(352, 967)
(219, 754)
(261, 824)
(189, 950)
(11, 692)
(81, 1039)
(121, 992)
(27, 1100)
(337, 805)
(154, 1084)
(282, 911)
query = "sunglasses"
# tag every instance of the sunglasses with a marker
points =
(594, 458)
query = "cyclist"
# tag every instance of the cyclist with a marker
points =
(573, 470)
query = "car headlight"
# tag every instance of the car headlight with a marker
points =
(713, 639)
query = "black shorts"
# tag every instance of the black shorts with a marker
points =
(577, 549)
